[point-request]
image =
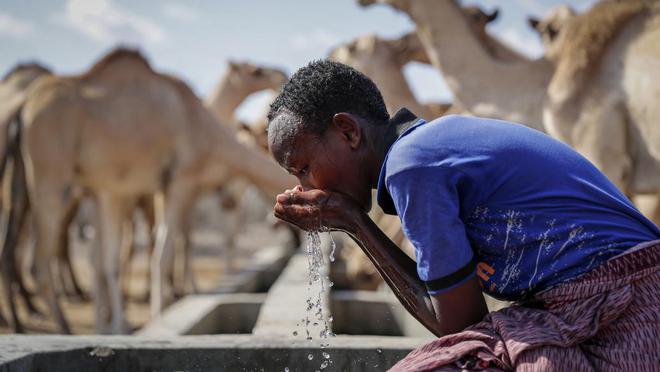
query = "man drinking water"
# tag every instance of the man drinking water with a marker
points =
(490, 206)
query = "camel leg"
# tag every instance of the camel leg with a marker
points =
(3, 321)
(49, 210)
(69, 279)
(146, 205)
(127, 252)
(113, 211)
(25, 294)
(16, 218)
(190, 285)
(24, 247)
(236, 225)
(9, 272)
(169, 231)
(101, 294)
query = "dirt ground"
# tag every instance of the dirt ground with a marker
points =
(209, 267)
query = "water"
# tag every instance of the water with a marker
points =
(318, 284)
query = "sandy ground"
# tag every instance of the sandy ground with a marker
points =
(209, 266)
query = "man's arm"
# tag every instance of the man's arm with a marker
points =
(449, 312)
(444, 313)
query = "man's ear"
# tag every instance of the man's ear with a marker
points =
(348, 127)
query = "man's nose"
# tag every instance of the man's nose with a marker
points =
(307, 185)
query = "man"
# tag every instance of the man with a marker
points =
(489, 206)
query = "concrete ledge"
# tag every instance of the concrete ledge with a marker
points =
(198, 353)
(373, 313)
(207, 314)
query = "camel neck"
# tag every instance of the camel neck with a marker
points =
(396, 91)
(225, 99)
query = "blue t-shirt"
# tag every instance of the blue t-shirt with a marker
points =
(522, 210)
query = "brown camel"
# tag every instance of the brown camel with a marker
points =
(122, 131)
(239, 81)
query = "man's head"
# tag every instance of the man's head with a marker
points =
(327, 127)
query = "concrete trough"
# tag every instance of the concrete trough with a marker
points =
(265, 267)
(281, 311)
(198, 353)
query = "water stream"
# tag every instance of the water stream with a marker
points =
(318, 284)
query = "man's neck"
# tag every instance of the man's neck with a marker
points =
(402, 120)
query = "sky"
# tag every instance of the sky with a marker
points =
(195, 39)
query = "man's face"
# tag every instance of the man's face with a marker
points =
(331, 161)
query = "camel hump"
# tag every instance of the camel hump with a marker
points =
(117, 56)
(585, 38)
(20, 68)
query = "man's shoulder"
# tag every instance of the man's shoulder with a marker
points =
(427, 143)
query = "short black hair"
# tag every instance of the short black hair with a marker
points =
(316, 92)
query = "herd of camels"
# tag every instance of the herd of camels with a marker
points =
(127, 137)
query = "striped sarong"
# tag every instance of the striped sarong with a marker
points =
(605, 320)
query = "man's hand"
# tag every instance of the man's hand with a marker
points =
(310, 210)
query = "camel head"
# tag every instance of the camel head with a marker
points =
(549, 28)
(365, 54)
(253, 78)
(255, 133)
(408, 48)
(23, 74)
(479, 19)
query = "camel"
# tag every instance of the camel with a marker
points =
(239, 81)
(121, 131)
(478, 81)
(602, 98)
